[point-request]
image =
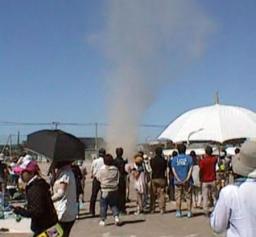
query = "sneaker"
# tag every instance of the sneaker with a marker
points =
(189, 214)
(102, 223)
(117, 220)
(178, 214)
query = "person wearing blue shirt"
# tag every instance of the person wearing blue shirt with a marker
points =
(182, 170)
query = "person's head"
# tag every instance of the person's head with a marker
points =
(108, 159)
(174, 153)
(208, 150)
(194, 157)
(61, 164)
(138, 159)
(102, 152)
(159, 151)
(119, 151)
(141, 153)
(244, 163)
(237, 150)
(181, 148)
(27, 170)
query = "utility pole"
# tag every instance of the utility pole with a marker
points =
(96, 137)
(55, 124)
(18, 138)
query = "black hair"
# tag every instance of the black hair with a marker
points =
(181, 148)
(237, 150)
(159, 151)
(208, 150)
(108, 159)
(102, 152)
(119, 151)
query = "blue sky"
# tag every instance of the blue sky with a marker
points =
(50, 69)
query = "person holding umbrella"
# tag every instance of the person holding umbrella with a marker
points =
(64, 194)
(40, 209)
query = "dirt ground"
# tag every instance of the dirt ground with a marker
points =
(149, 225)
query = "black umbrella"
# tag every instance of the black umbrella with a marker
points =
(56, 145)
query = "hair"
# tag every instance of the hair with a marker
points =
(138, 159)
(140, 153)
(237, 150)
(102, 152)
(119, 151)
(174, 153)
(159, 151)
(194, 157)
(181, 148)
(208, 150)
(60, 164)
(108, 159)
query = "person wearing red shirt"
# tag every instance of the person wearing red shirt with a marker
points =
(208, 178)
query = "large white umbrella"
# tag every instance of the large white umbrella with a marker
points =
(217, 123)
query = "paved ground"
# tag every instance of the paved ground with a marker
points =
(148, 225)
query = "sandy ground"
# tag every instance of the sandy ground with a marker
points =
(149, 225)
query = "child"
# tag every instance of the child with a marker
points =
(196, 193)
(108, 177)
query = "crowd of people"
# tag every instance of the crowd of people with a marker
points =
(197, 180)
(219, 185)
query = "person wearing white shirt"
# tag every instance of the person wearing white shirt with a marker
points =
(95, 167)
(235, 209)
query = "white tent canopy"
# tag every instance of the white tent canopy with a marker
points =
(217, 123)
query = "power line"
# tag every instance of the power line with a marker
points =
(56, 124)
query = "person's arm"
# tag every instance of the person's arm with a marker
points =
(219, 220)
(175, 175)
(60, 192)
(92, 168)
(189, 174)
(36, 201)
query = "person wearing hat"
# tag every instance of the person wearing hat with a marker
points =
(39, 203)
(95, 167)
(235, 209)
(138, 173)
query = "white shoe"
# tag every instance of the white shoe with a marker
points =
(117, 220)
(102, 223)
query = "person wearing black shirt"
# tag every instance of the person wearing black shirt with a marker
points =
(159, 166)
(120, 163)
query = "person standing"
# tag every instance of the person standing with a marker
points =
(171, 187)
(182, 165)
(108, 176)
(234, 212)
(3, 173)
(65, 195)
(208, 178)
(158, 165)
(95, 167)
(196, 192)
(138, 174)
(39, 203)
(120, 163)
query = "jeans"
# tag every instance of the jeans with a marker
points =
(108, 199)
